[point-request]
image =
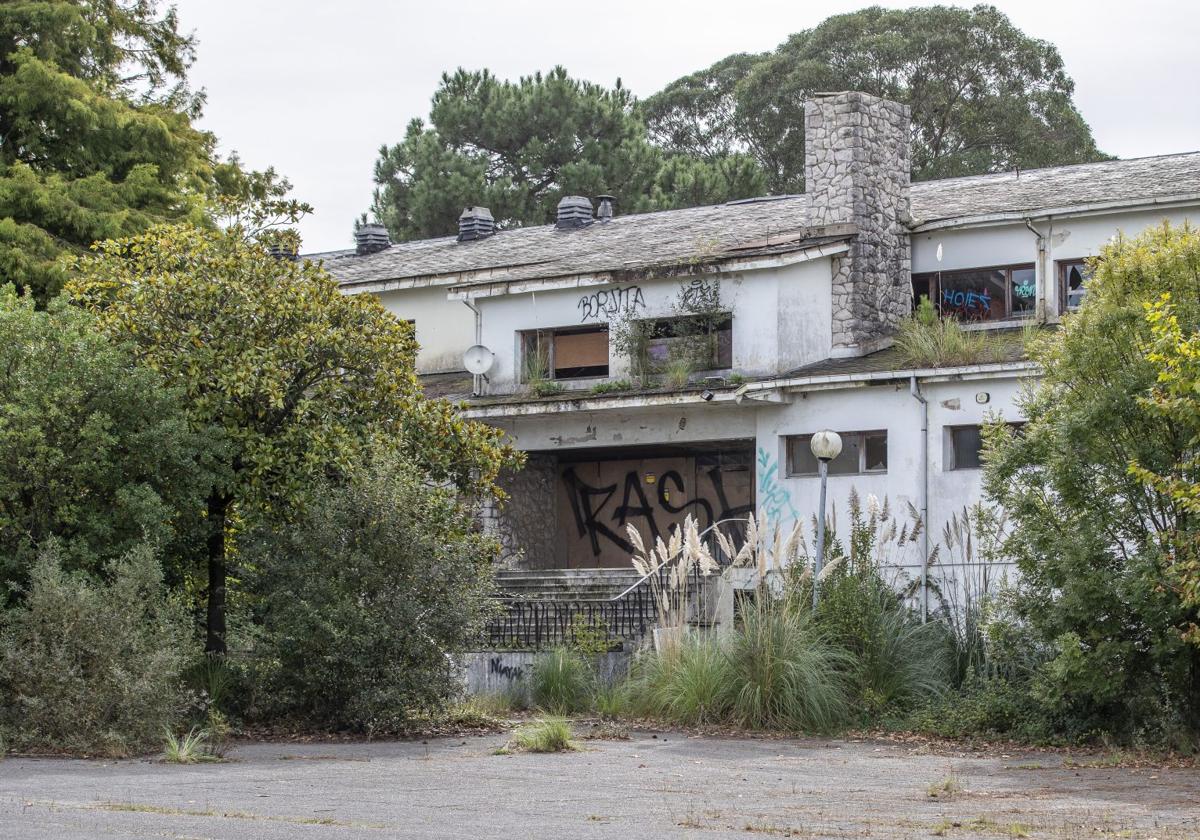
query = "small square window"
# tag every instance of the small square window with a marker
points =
(966, 447)
(862, 452)
(1073, 277)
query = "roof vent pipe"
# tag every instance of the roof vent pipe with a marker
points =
(574, 211)
(475, 223)
(605, 211)
(371, 238)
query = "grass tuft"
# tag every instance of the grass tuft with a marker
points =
(562, 683)
(543, 736)
(191, 748)
(928, 340)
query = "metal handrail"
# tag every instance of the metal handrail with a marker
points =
(663, 564)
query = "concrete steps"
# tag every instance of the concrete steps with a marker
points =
(565, 584)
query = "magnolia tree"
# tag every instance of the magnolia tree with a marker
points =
(298, 379)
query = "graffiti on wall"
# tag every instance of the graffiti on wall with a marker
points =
(966, 303)
(607, 303)
(638, 494)
(773, 497)
(699, 295)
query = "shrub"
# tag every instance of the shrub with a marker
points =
(190, 748)
(365, 601)
(782, 673)
(544, 736)
(685, 684)
(92, 666)
(928, 340)
(562, 682)
(611, 386)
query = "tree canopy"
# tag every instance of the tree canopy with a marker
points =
(299, 379)
(97, 452)
(96, 133)
(1101, 532)
(518, 147)
(984, 96)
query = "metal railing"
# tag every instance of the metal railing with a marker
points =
(531, 623)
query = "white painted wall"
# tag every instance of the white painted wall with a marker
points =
(1067, 238)
(781, 317)
(445, 328)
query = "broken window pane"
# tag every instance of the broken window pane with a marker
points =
(1075, 274)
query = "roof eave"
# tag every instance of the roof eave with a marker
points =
(1095, 208)
(473, 291)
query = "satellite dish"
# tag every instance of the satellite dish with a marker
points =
(478, 359)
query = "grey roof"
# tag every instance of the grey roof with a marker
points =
(627, 243)
(1112, 181)
(746, 228)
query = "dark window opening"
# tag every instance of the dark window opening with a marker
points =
(862, 452)
(710, 340)
(1073, 276)
(980, 295)
(965, 450)
(574, 353)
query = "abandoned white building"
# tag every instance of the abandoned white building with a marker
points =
(800, 296)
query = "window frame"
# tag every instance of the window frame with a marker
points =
(547, 334)
(790, 440)
(723, 319)
(933, 279)
(1064, 269)
(950, 453)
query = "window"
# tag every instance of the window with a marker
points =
(964, 450)
(1072, 279)
(572, 353)
(862, 452)
(712, 340)
(984, 294)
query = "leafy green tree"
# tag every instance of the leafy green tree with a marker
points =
(985, 97)
(411, 585)
(95, 452)
(1094, 542)
(96, 133)
(517, 148)
(298, 378)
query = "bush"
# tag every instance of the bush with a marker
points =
(782, 673)
(365, 602)
(92, 666)
(929, 340)
(686, 684)
(562, 682)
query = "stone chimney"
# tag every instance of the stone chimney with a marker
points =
(371, 238)
(856, 172)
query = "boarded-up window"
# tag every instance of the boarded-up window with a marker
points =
(566, 354)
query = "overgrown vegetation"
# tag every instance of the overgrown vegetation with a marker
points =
(91, 664)
(543, 736)
(928, 340)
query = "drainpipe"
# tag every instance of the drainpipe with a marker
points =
(476, 379)
(916, 394)
(1042, 279)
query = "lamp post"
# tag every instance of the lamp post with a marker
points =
(826, 446)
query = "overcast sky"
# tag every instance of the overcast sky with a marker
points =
(313, 88)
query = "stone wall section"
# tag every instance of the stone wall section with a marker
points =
(526, 523)
(856, 150)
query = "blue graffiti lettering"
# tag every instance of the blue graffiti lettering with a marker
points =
(772, 496)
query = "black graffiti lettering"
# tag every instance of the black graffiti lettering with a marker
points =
(580, 495)
(607, 303)
(633, 487)
(509, 672)
(664, 499)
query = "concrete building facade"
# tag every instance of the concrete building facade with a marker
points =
(795, 301)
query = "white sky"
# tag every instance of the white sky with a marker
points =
(313, 88)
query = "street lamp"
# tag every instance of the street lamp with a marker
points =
(826, 446)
